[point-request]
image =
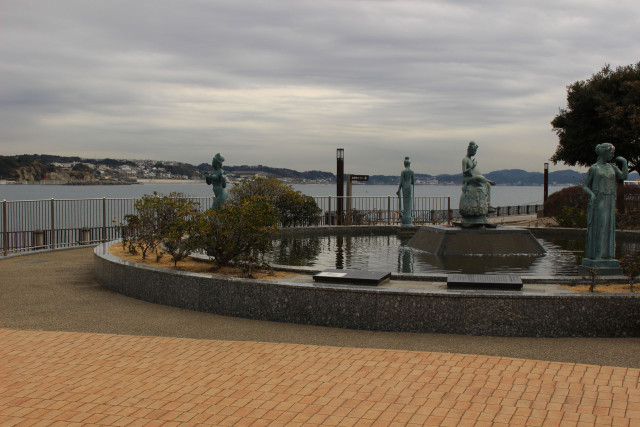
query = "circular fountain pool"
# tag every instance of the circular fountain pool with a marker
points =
(531, 312)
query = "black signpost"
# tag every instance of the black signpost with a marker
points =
(359, 177)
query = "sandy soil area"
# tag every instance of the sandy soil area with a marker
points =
(606, 288)
(195, 266)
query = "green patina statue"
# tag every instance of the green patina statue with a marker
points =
(600, 186)
(475, 202)
(218, 180)
(406, 187)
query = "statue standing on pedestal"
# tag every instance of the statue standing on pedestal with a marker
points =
(218, 180)
(475, 202)
(600, 186)
(406, 187)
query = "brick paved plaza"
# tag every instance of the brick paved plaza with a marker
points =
(72, 352)
(66, 378)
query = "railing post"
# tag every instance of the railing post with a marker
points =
(5, 231)
(328, 213)
(104, 219)
(389, 210)
(53, 225)
(38, 239)
(449, 213)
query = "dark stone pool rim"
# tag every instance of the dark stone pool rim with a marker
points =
(493, 313)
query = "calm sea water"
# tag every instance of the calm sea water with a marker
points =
(500, 195)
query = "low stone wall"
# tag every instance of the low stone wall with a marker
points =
(401, 310)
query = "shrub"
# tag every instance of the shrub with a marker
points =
(179, 238)
(570, 197)
(143, 228)
(571, 216)
(631, 267)
(238, 232)
(293, 207)
(569, 206)
(593, 275)
(130, 231)
(166, 220)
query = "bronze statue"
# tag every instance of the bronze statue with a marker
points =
(218, 180)
(475, 202)
(600, 186)
(407, 187)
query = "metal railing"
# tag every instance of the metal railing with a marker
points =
(380, 210)
(58, 223)
(631, 202)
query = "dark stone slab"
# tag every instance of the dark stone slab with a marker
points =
(600, 263)
(583, 270)
(353, 277)
(484, 281)
(603, 267)
(445, 241)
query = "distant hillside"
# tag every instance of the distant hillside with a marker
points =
(273, 172)
(521, 177)
(395, 179)
(33, 167)
(50, 159)
(23, 168)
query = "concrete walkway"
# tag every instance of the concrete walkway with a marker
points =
(72, 352)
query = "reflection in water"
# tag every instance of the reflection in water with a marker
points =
(389, 253)
(405, 260)
(577, 246)
(305, 250)
(477, 264)
(339, 253)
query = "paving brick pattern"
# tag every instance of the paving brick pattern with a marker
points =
(62, 378)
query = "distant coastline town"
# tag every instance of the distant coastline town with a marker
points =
(60, 170)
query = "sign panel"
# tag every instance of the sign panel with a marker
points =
(359, 177)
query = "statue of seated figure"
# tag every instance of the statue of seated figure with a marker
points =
(475, 202)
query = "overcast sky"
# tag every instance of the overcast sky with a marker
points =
(284, 83)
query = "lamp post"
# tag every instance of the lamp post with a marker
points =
(546, 181)
(340, 184)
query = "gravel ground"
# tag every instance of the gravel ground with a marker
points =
(56, 291)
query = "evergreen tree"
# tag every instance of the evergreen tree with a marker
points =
(604, 108)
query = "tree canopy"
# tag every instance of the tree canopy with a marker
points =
(293, 207)
(604, 108)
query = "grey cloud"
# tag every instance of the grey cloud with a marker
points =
(271, 82)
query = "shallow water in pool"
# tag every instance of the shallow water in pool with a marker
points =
(390, 253)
